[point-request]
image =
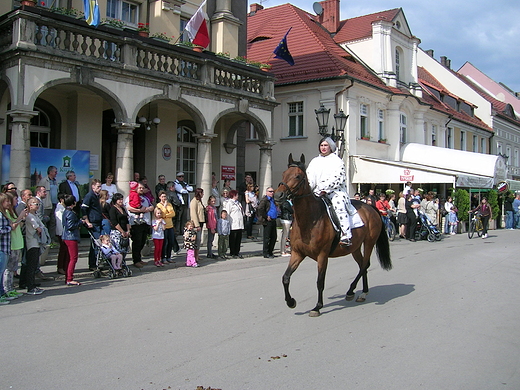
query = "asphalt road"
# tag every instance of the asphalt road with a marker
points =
(446, 317)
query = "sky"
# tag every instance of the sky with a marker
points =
(483, 32)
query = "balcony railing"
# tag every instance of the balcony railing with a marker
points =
(62, 37)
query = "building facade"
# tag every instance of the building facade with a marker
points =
(138, 104)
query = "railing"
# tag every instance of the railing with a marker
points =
(37, 29)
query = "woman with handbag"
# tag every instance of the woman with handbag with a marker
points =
(198, 216)
(120, 232)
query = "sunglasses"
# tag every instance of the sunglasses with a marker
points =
(12, 189)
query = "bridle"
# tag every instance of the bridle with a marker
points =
(291, 194)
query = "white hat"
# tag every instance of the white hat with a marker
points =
(180, 174)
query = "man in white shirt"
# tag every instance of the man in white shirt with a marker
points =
(183, 189)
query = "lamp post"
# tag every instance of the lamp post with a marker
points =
(338, 134)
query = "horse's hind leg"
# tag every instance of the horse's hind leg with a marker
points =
(320, 283)
(358, 256)
(295, 261)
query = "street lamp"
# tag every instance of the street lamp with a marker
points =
(338, 134)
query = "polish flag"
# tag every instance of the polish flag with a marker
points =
(197, 28)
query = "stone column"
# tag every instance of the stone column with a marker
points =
(265, 178)
(204, 166)
(20, 165)
(125, 155)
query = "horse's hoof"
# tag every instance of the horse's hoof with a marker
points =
(291, 303)
(314, 313)
(349, 297)
(360, 299)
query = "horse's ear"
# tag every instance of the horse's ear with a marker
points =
(302, 159)
(291, 161)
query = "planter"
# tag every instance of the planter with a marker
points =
(265, 69)
(381, 141)
(161, 40)
(144, 34)
(198, 49)
(28, 3)
(366, 138)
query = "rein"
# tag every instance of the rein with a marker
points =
(292, 193)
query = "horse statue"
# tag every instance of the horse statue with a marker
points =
(313, 235)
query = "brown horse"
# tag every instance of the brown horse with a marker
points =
(313, 235)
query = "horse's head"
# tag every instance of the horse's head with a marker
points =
(294, 181)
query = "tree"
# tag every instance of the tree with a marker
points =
(461, 201)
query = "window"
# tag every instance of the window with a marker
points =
(402, 129)
(483, 145)
(508, 154)
(397, 64)
(186, 153)
(251, 131)
(449, 138)
(363, 124)
(296, 119)
(499, 148)
(184, 37)
(462, 140)
(475, 144)
(381, 124)
(434, 135)
(126, 11)
(40, 136)
(515, 160)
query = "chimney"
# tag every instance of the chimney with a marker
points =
(255, 7)
(445, 62)
(330, 16)
(429, 52)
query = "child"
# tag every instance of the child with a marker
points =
(108, 249)
(190, 236)
(452, 218)
(158, 236)
(223, 230)
(5, 240)
(134, 199)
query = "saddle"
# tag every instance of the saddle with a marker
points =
(334, 220)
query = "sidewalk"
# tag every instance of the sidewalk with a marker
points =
(249, 248)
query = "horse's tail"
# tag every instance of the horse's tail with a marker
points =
(383, 249)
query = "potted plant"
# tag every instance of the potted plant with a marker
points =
(265, 66)
(143, 29)
(462, 203)
(242, 60)
(365, 137)
(160, 36)
(114, 23)
(28, 3)
(223, 55)
(382, 141)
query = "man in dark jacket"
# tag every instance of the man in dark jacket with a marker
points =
(92, 217)
(268, 214)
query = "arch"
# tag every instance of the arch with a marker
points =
(248, 116)
(115, 103)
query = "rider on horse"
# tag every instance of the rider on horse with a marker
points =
(327, 177)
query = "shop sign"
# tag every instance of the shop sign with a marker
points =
(406, 176)
(228, 172)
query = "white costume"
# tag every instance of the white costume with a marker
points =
(327, 173)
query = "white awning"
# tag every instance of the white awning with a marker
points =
(468, 165)
(372, 170)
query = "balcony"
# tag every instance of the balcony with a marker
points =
(55, 38)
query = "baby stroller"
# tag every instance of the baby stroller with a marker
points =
(426, 230)
(103, 262)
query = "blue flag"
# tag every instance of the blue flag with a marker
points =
(91, 10)
(282, 51)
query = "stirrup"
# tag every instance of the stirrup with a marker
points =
(345, 241)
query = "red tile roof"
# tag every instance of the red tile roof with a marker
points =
(361, 27)
(426, 79)
(316, 55)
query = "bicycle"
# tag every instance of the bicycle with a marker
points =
(391, 231)
(475, 225)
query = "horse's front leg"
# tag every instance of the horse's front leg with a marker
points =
(294, 262)
(320, 283)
